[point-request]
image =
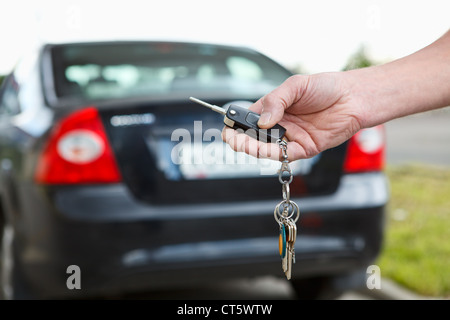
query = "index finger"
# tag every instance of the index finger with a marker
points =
(241, 142)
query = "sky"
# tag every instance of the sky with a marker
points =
(316, 35)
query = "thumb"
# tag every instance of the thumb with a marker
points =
(272, 112)
(276, 102)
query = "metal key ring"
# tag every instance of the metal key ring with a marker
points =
(275, 215)
(286, 208)
(296, 209)
(291, 204)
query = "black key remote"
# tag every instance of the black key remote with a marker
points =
(241, 118)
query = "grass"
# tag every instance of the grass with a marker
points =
(416, 251)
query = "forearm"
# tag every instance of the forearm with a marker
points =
(413, 84)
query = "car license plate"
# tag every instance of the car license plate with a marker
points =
(216, 160)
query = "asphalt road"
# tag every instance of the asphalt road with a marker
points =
(422, 138)
(268, 288)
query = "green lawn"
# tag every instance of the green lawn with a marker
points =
(416, 252)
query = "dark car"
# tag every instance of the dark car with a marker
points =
(112, 181)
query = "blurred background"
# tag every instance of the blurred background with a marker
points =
(306, 37)
(313, 36)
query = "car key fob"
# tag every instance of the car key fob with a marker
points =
(241, 118)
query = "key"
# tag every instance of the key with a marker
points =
(289, 248)
(288, 257)
(241, 118)
(288, 272)
(282, 241)
(292, 237)
(283, 247)
(290, 230)
(293, 241)
(286, 249)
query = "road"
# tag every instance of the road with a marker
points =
(423, 137)
(268, 288)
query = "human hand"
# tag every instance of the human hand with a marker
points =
(319, 112)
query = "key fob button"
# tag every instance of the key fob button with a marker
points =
(252, 119)
(233, 112)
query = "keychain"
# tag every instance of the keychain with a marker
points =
(286, 213)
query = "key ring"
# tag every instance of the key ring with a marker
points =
(280, 217)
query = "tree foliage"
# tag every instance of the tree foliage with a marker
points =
(358, 60)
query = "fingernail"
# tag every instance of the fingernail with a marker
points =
(264, 119)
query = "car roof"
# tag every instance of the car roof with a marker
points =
(153, 42)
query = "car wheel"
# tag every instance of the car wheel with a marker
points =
(11, 280)
(315, 288)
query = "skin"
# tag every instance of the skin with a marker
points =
(323, 110)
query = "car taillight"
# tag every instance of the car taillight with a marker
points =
(78, 151)
(366, 151)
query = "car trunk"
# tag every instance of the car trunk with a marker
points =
(171, 152)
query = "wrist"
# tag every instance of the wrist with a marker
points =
(373, 94)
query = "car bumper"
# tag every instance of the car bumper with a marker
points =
(123, 244)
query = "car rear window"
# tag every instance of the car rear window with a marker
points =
(119, 70)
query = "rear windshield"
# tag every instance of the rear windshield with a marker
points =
(120, 70)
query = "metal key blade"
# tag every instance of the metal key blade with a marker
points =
(288, 271)
(211, 106)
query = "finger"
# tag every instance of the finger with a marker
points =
(257, 106)
(301, 143)
(295, 151)
(269, 151)
(241, 142)
(276, 102)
